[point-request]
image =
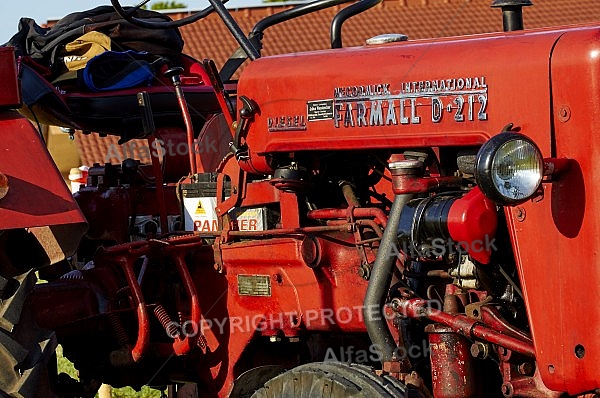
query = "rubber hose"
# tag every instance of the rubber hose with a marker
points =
(379, 283)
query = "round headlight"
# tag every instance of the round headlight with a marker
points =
(509, 168)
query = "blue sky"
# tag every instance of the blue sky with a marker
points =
(42, 10)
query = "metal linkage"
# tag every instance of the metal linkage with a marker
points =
(343, 15)
(419, 308)
(125, 256)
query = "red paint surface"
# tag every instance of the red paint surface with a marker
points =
(37, 194)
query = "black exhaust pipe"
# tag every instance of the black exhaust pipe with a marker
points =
(512, 13)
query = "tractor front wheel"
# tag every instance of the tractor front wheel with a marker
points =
(332, 380)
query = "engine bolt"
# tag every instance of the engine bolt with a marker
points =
(507, 390)
(395, 304)
(564, 113)
(520, 214)
(364, 271)
(479, 350)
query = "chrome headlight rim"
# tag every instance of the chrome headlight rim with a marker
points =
(484, 162)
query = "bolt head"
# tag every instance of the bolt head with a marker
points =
(479, 350)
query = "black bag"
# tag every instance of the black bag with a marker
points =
(43, 44)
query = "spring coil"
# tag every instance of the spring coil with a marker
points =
(201, 342)
(73, 275)
(166, 322)
(118, 330)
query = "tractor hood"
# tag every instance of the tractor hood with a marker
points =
(443, 92)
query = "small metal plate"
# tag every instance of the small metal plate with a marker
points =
(254, 285)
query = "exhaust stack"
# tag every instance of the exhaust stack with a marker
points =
(512, 13)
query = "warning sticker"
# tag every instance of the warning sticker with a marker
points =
(319, 110)
(200, 215)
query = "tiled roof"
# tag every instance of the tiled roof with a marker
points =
(95, 149)
(416, 18)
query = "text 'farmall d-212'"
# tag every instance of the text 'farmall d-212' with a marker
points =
(422, 223)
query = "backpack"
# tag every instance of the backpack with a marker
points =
(44, 45)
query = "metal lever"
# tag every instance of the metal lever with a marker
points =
(175, 75)
(249, 109)
(143, 99)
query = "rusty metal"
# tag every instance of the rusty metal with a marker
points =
(480, 350)
(491, 317)
(407, 178)
(522, 379)
(452, 368)
(289, 231)
(409, 184)
(350, 214)
(349, 194)
(415, 308)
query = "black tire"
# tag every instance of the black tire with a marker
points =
(331, 380)
(25, 349)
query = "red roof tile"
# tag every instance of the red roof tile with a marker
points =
(416, 18)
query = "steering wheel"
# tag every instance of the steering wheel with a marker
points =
(128, 13)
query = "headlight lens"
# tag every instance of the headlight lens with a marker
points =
(509, 168)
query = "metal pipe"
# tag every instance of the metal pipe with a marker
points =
(357, 212)
(235, 30)
(379, 282)
(143, 338)
(289, 231)
(294, 12)
(512, 13)
(419, 308)
(349, 194)
(187, 119)
(343, 15)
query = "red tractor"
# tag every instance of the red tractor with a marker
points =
(418, 225)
